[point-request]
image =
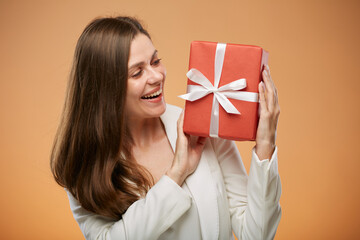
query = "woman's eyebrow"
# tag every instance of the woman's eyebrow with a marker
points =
(135, 65)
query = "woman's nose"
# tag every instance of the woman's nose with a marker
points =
(155, 75)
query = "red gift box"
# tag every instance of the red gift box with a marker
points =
(204, 116)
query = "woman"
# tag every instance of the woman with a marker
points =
(131, 172)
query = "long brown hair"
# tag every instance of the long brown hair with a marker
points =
(91, 156)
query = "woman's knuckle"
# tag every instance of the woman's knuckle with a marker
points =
(266, 114)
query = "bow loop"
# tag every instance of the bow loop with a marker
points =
(235, 85)
(196, 92)
(199, 78)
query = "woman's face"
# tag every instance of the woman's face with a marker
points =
(146, 76)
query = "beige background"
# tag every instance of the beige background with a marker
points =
(314, 57)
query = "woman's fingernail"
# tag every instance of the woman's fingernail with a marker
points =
(261, 84)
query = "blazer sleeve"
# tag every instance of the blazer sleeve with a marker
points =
(146, 218)
(253, 200)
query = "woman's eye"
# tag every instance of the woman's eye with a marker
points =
(137, 74)
(156, 62)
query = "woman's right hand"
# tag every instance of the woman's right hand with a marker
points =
(187, 154)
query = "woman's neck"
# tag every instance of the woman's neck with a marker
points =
(146, 131)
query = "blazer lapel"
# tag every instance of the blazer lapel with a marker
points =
(200, 183)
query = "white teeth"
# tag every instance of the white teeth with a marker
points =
(155, 94)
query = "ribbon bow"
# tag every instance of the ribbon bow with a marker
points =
(221, 94)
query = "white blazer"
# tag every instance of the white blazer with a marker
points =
(219, 192)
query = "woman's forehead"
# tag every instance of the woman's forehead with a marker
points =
(141, 49)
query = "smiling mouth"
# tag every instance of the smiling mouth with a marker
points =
(153, 95)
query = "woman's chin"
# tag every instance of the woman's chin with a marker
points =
(160, 109)
(156, 111)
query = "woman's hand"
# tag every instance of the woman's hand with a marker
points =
(269, 115)
(187, 154)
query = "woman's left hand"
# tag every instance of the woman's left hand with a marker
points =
(269, 115)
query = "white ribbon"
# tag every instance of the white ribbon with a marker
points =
(221, 94)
